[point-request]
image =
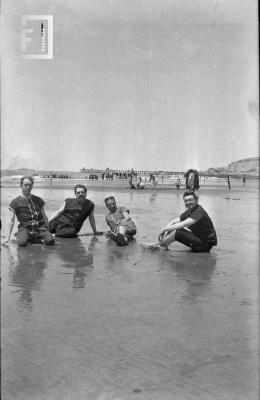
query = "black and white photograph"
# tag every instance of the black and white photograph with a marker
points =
(129, 200)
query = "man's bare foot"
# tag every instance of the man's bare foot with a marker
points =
(150, 246)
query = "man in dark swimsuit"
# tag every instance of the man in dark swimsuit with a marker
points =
(29, 211)
(193, 228)
(68, 220)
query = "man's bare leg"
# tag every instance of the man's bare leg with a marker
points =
(162, 243)
(121, 236)
(167, 240)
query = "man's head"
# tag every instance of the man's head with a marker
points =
(26, 184)
(190, 199)
(111, 203)
(80, 191)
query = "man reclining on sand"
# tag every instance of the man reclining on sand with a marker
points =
(122, 226)
(68, 220)
(193, 228)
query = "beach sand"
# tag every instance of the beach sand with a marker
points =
(86, 319)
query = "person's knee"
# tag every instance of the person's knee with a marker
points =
(49, 240)
(23, 238)
(22, 242)
(169, 238)
(52, 226)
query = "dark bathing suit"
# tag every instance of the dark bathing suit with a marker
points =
(69, 223)
(31, 226)
(201, 236)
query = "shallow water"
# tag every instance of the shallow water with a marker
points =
(88, 320)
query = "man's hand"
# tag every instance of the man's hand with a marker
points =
(164, 233)
(167, 229)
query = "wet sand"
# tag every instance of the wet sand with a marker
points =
(86, 320)
(207, 185)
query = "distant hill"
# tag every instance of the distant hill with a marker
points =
(247, 166)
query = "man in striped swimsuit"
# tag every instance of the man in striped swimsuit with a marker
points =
(122, 227)
(29, 210)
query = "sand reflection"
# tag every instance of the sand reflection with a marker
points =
(76, 259)
(193, 269)
(27, 271)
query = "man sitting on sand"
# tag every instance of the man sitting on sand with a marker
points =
(68, 220)
(29, 210)
(193, 228)
(122, 226)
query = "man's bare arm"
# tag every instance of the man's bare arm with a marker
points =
(45, 218)
(92, 222)
(10, 227)
(58, 213)
(174, 221)
(178, 225)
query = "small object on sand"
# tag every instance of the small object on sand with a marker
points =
(231, 198)
(137, 390)
(150, 246)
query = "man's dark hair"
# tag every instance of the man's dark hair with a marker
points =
(190, 193)
(80, 186)
(109, 198)
(30, 178)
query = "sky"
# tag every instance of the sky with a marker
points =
(149, 85)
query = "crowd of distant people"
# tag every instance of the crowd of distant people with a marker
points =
(191, 179)
(118, 175)
(57, 176)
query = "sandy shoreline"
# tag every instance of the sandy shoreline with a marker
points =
(85, 319)
(207, 187)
